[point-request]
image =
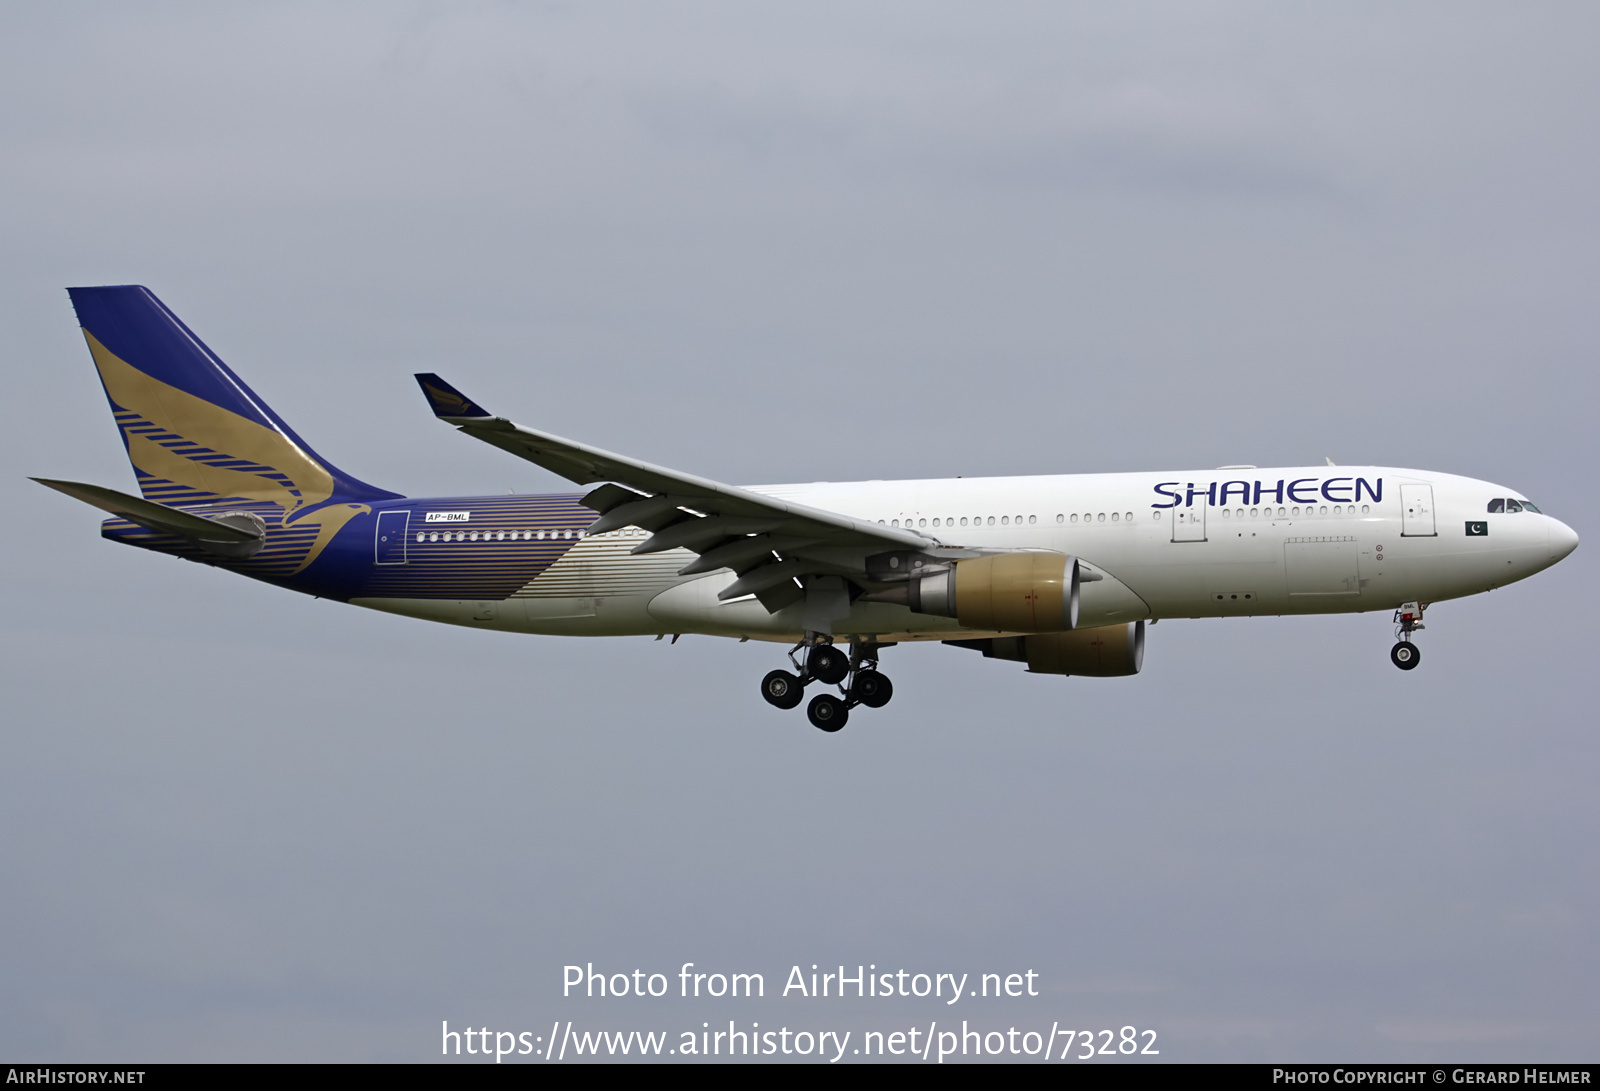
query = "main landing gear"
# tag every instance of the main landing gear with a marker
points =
(1407, 620)
(857, 676)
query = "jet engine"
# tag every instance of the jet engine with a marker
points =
(1009, 592)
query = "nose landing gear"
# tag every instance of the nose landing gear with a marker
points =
(1407, 620)
(857, 676)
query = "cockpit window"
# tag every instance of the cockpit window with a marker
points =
(1508, 505)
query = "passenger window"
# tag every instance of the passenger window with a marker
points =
(1497, 505)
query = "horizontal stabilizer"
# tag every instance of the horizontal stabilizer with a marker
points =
(446, 401)
(159, 517)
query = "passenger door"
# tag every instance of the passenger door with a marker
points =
(1189, 524)
(1416, 511)
(389, 545)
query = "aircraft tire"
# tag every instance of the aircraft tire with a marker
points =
(782, 689)
(872, 689)
(827, 712)
(827, 664)
(1405, 655)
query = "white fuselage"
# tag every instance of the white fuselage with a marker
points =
(1210, 543)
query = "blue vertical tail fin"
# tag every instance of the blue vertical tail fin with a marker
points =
(195, 433)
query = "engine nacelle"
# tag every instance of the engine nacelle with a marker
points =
(1105, 651)
(1008, 592)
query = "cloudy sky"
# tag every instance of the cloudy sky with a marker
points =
(770, 243)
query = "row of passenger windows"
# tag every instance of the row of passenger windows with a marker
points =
(520, 535)
(948, 521)
(495, 536)
(1267, 513)
(977, 521)
(1127, 517)
(1016, 520)
(1508, 506)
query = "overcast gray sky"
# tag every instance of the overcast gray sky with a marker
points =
(771, 243)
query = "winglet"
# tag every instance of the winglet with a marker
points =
(446, 401)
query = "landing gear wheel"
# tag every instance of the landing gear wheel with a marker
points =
(871, 689)
(1405, 655)
(782, 689)
(827, 664)
(827, 712)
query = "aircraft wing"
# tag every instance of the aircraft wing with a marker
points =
(767, 542)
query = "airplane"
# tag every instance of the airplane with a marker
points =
(1059, 572)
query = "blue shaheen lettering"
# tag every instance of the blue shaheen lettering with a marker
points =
(1335, 490)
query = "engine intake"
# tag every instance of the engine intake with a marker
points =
(1009, 592)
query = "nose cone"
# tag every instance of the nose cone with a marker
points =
(1563, 540)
